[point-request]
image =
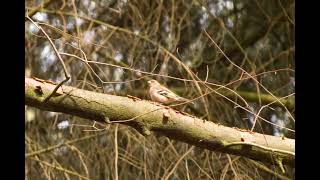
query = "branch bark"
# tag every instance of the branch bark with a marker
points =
(146, 116)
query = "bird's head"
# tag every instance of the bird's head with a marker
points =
(152, 83)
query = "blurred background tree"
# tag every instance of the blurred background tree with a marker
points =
(245, 46)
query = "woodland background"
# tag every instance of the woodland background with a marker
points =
(244, 48)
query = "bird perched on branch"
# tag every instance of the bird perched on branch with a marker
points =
(162, 94)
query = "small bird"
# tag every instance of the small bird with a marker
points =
(162, 94)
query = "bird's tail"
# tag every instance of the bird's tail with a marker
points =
(181, 99)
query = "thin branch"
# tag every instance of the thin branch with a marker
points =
(254, 79)
(177, 163)
(116, 152)
(44, 4)
(48, 149)
(60, 169)
(67, 76)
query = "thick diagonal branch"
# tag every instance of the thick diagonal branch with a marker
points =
(146, 117)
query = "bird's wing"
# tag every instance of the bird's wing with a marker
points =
(167, 93)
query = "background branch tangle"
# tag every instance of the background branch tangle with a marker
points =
(235, 60)
(205, 83)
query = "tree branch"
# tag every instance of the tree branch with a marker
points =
(146, 116)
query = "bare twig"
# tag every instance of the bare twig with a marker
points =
(254, 79)
(116, 176)
(67, 76)
(63, 144)
(177, 163)
(40, 6)
(60, 169)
